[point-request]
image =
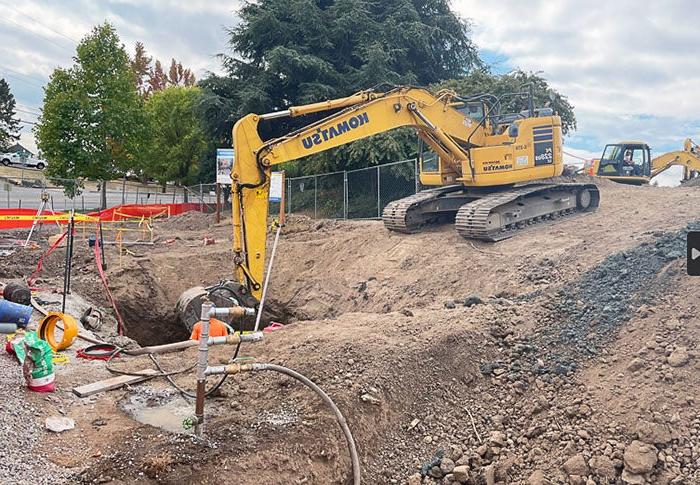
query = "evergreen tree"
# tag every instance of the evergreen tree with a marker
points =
(9, 125)
(290, 52)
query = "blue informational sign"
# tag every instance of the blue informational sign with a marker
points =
(224, 165)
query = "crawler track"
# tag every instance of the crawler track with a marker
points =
(490, 217)
(500, 215)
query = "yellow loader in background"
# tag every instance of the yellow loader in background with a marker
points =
(630, 162)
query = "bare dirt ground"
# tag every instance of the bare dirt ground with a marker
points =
(566, 354)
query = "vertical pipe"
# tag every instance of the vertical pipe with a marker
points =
(267, 278)
(102, 249)
(71, 229)
(202, 363)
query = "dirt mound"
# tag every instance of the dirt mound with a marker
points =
(546, 355)
(187, 221)
(694, 182)
(579, 179)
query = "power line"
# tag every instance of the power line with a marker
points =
(20, 77)
(28, 122)
(42, 24)
(19, 110)
(30, 108)
(36, 34)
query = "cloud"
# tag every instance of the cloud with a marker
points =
(628, 67)
(38, 36)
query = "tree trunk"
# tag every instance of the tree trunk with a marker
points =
(103, 195)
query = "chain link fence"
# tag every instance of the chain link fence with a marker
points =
(22, 188)
(353, 194)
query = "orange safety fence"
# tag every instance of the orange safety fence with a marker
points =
(24, 218)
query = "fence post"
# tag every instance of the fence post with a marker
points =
(379, 203)
(415, 173)
(289, 196)
(345, 194)
(315, 196)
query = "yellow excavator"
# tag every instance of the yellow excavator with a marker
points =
(483, 165)
(630, 162)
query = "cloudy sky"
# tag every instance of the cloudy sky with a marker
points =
(628, 67)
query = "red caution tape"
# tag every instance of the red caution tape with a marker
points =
(40, 265)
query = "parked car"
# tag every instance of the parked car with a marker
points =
(8, 159)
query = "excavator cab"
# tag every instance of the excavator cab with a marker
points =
(626, 162)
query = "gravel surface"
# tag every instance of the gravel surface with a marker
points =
(21, 431)
(585, 315)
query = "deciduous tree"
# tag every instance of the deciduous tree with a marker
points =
(177, 141)
(92, 125)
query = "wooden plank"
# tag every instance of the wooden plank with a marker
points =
(113, 383)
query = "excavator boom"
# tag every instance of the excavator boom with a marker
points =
(475, 151)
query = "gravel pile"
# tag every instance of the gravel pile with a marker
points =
(21, 431)
(587, 314)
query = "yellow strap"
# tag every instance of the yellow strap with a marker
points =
(52, 218)
(60, 358)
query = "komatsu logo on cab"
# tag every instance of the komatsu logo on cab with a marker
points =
(323, 135)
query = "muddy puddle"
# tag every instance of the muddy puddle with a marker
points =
(162, 409)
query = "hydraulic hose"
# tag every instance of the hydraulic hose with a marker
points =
(354, 458)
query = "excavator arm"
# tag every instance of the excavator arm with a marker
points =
(435, 117)
(689, 158)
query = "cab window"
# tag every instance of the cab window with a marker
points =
(429, 161)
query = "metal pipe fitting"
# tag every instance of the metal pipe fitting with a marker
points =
(202, 364)
(235, 338)
(229, 369)
(234, 311)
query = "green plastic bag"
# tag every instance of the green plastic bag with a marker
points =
(36, 358)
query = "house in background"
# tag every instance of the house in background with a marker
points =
(23, 152)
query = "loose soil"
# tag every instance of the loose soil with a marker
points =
(577, 337)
